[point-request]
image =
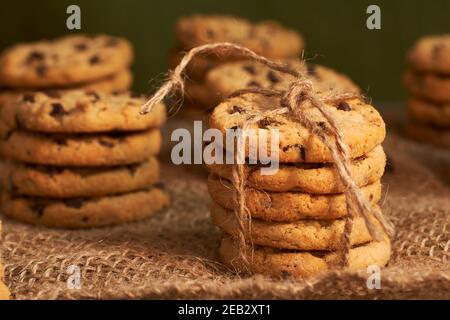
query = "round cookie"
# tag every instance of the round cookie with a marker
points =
(301, 264)
(423, 111)
(85, 213)
(361, 125)
(430, 134)
(106, 149)
(431, 54)
(287, 206)
(311, 178)
(433, 87)
(299, 235)
(267, 38)
(80, 112)
(57, 182)
(4, 291)
(230, 77)
(64, 62)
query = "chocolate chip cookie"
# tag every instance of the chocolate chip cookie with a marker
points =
(428, 112)
(299, 235)
(229, 77)
(426, 133)
(360, 123)
(105, 149)
(267, 38)
(314, 178)
(60, 182)
(80, 112)
(433, 87)
(431, 54)
(85, 213)
(301, 264)
(287, 206)
(64, 62)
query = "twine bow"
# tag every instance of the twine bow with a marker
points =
(300, 91)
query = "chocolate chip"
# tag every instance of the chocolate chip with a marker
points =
(85, 219)
(94, 59)
(60, 141)
(436, 51)
(74, 203)
(250, 69)
(286, 275)
(159, 185)
(210, 33)
(81, 46)
(35, 56)
(28, 97)
(57, 110)
(112, 42)
(237, 109)
(38, 208)
(93, 94)
(106, 143)
(344, 106)
(253, 83)
(266, 122)
(233, 128)
(132, 168)
(41, 70)
(272, 77)
(52, 94)
(303, 152)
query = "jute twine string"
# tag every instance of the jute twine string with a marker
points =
(292, 103)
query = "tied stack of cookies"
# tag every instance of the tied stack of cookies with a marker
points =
(427, 81)
(77, 159)
(266, 38)
(97, 63)
(298, 212)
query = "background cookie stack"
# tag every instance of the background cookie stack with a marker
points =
(267, 38)
(80, 159)
(98, 63)
(428, 83)
(298, 212)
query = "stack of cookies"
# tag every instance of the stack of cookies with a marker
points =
(266, 38)
(428, 83)
(97, 63)
(78, 159)
(298, 212)
(4, 292)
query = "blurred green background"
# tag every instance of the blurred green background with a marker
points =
(335, 31)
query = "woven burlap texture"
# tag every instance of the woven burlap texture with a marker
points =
(173, 255)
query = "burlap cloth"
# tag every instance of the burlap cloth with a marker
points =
(173, 255)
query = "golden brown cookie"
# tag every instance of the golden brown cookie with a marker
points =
(64, 62)
(60, 182)
(431, 54)
(427, 112)
(267, 38)
(80, 112)
(85, 213)
(230, 77)
(301, 264)
(429, 134)
(429, 86)
(300, 235)
(287, 206)
(314, 178)
(106, 149)
(360, 123)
